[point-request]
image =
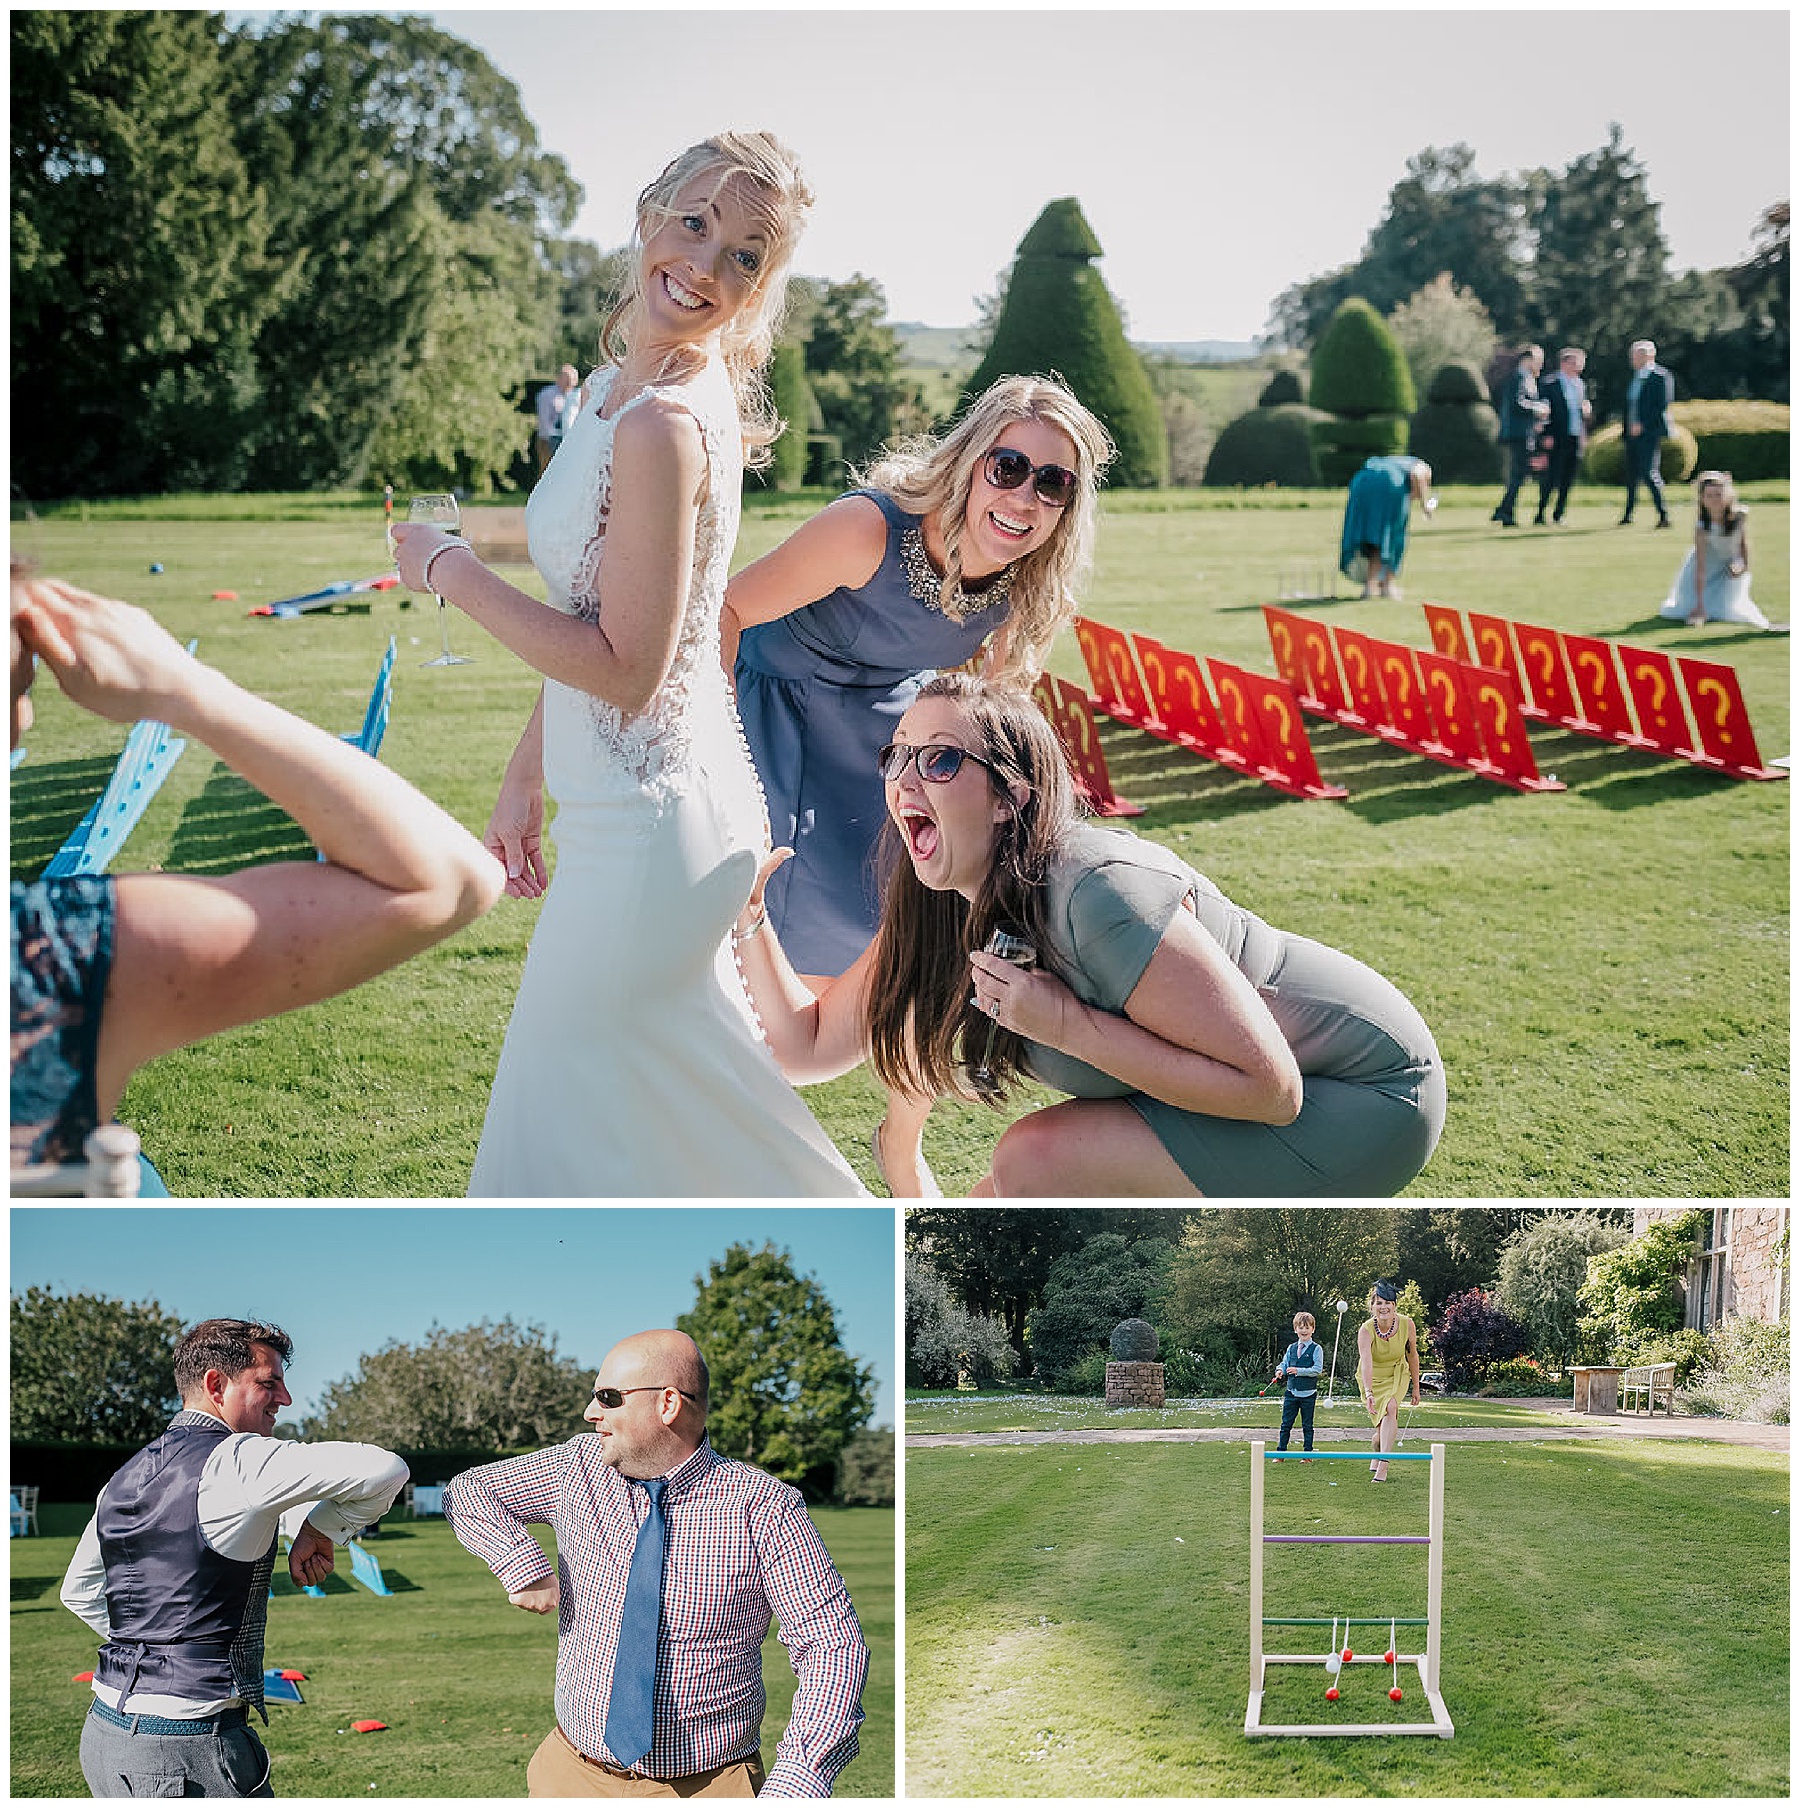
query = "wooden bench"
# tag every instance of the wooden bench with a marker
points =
(1650, 1380)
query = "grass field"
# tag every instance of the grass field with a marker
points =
(462, 1679)
(1605, 968)
(1615, 1622)
(957, 1413)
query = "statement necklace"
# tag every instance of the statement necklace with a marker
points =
(926, 582)
(1395, 1326)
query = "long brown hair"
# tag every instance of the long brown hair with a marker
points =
(918, 996)
(932, 476)
(747, 342)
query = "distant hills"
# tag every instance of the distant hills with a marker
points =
(948, 347)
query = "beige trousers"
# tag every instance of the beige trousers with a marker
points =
(557, 1768)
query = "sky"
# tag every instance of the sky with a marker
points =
(342, 1281)
(1219, 155)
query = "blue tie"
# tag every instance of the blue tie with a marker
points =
(631, 1715)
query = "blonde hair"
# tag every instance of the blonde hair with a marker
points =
(928, 475)
(1306, 1319)
(746, 343)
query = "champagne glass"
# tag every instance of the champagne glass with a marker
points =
(1020, 953)
(438, 510)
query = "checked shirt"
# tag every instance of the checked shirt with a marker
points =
(740, 1549)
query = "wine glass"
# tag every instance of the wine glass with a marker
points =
(440, 510)
(1020, 953)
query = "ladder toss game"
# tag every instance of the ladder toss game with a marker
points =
(1340, 1659)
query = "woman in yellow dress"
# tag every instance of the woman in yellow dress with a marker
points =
(1387, 1350)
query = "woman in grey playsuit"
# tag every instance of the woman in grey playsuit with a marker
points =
(1204, 1050)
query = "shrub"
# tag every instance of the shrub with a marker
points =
(1412, 1303)
(792, 396)
(1459, 440)
(865, 1472)
(1267, 445)
(1520, 1376)
(1058, 316)
(944, 1341)
(1358, 367)
(1748, 439)
(1744, 1373)
(1631, 1293)
(1475, 1332)
(1343, 445)
(1085, 1375)
(1542, 1271)
(1458, 381)
(1280, 389)
(1678, 457)
(1685, 1348)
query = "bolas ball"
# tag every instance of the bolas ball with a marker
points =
(1348, 1654)
(1395, 1692)
(1331, 1694)
(1389, 1658)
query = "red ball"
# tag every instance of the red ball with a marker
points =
(1348, 1654)
(1389, 1658)
(1394, 1693)
(1331, 1694)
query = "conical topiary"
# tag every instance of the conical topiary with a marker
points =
(1058, 317)
(1280, 389)
(1134, 1341)
(1457, 432)
(793, 399)
(1360, 376)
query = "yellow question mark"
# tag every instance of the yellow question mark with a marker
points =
(1658, 680)
(1595, 664)
(1722, 713)
(1277, 706)
(1447, 685)
(1487, 693)
(1396, 669)
(1352, 651)
(1492, 645)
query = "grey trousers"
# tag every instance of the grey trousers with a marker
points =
(117, 1761)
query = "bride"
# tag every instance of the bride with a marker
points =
(633, 1064)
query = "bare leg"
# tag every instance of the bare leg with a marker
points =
(1387, 1435)
(899, 1142)
(1085, 1149)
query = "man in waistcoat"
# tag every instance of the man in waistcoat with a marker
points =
(173, 1569)
(1565, 431)
(1522, 411)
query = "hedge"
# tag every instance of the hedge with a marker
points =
(1679, 457)
(1345, 443)
(1267, 445)
(1748, 439)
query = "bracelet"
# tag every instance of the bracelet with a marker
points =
(739, 936)
(438, 553)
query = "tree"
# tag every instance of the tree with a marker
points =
(944, 1341)
(1599, 276)
(1441, 324)
(866, 1469)
(141, 260)
(1088, 1292)
(793, 399)
(1057, 316)
(1475, 1332)
(1249, 1272)
(1449, 1250)
(785, 1393)
(487, 1387)
(1633, 1292)
(853, 365)
(1543, 1268)
(88, 1369)
(1360, 380)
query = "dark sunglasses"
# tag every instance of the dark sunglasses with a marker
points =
(937, 761)
(614, 1397)
(1006, 469)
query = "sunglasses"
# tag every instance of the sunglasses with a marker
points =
(938, 762)
(1006, 469)
(614, 1397)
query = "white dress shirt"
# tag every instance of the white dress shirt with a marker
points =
(251, 1488)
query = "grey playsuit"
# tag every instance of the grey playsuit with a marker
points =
(1374, 1093)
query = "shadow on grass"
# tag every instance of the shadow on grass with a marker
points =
(232, 825)
(47, 801)
(28, 1588)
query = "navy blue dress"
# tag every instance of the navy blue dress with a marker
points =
(821, 692)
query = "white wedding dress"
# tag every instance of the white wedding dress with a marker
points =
(632, 1064)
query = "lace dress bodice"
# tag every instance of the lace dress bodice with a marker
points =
(567, 516)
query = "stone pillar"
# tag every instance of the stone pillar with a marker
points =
(1134, 1384)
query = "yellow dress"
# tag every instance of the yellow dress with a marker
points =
(1390, 1372)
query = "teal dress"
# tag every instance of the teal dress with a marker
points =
(1373, 1086)
(1376, 513)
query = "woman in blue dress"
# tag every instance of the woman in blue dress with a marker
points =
(980, 536)
(1376, 513)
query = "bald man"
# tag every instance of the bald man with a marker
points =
(671, 1561)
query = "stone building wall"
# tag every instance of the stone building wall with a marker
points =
(1747, 1243)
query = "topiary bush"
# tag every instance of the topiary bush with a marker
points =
(1360, 377)
(1521, 1377)
(1679, 456)
(1134, 1340)
(1459, 440)
(1282, 388)
(793, 399)
(1058, 316)
(1748, 439)
(1267, 445)
(1458, 381)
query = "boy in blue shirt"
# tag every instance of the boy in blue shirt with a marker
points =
(1303, 1362)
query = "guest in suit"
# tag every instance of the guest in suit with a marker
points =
(1646, 427)
(1565, 431)
(1521, 410)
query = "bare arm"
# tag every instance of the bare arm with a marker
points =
(1365, 1362)
(812, 1036)
(1412, 1357)
(840, 546)
(659, 482)
(1194, 1034)
(515, 830)
(194, 956)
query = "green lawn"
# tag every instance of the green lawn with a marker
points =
(1605, 968)
(462, 1679)
(956, 1413)
(1615, 1622)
